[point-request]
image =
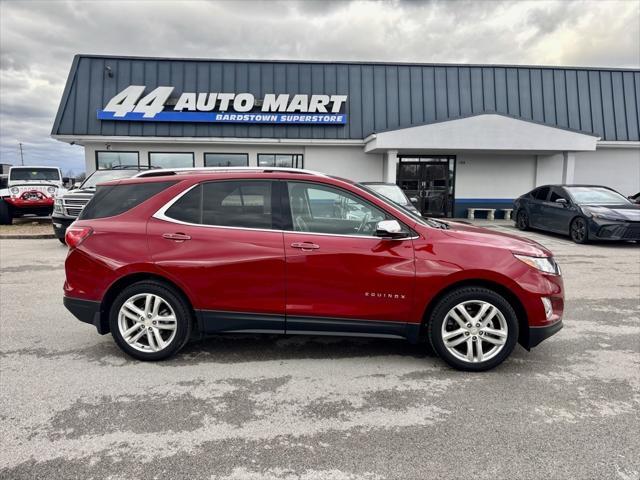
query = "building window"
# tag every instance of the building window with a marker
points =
(288, 160)
(109, 159)
(171, 159)
(226, 160)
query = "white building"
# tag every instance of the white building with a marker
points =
(454, 136)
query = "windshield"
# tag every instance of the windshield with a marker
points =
(596, 196)
(22, 174)
(392, 192)
(101, 176)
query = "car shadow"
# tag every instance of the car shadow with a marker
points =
(235, 348)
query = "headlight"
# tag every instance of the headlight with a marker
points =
(544, 264)
(15, 190)
(51, 189)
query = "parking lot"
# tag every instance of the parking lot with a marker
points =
(265, 407)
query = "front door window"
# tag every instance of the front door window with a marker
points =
(321, 209)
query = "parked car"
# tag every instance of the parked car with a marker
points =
(68, 206)
(584, 212)
(30, 191)
(394, 193)
(172, 255)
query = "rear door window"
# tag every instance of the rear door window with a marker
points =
(237, 204)
(111, 200)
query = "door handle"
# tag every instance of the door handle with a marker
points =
(305, 246)
(178, 237)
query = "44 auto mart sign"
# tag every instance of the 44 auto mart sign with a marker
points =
(207, 107)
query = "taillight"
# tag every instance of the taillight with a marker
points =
(76, 235)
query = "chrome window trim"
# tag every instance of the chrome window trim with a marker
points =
(161, 215)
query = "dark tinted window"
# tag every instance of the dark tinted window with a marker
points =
(540, 193)
(237, 204)
(113, 159)
(116, 199)
(188, 208)
(556, 194)
(226, 160)
(286, 160)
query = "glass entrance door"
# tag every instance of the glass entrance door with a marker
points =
(430, 181)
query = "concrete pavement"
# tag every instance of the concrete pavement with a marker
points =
(266, 407)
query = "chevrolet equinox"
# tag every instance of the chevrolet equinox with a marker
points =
(173, 255)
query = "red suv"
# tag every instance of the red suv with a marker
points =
(173, 255)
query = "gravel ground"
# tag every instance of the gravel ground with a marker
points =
(277, 408)
(28, 226)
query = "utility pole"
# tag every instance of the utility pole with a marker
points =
(21, 156)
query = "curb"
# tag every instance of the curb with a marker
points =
(35, 236)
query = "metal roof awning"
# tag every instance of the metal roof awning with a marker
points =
(484, 132)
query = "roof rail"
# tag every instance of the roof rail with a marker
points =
(175, 171)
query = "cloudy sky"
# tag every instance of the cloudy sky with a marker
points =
(38, 41)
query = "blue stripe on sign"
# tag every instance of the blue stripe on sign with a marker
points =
(217, 117)
(484, 200)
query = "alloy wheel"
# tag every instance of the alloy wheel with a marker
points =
(578, 230)
(474, 331)
(523, 220)
(147, 322)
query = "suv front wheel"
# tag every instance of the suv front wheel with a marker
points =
(473, 328)
(150, 321)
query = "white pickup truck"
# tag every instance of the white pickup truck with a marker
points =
(30, 190)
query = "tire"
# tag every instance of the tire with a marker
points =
(171, 303)
(502, 327)
(61, 240)
(579, 231)
(522, 220)
(6, 214)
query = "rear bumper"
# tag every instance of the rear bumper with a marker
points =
(86, 311)
(538, 334)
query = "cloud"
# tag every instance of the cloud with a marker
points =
(38, 41)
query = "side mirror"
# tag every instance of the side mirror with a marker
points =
(390, 229)
(562, 202)
(413, 200)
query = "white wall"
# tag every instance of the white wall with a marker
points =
(549, 169)
(494, 175)
(618, 168)
(348, 161)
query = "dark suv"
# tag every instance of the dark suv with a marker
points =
(173, 255)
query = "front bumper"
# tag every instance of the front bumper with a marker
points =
(538, 334)
(60, 225)
(86, 311)
(22, 204)
(610, 230)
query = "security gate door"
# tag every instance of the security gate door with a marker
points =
(430, 182)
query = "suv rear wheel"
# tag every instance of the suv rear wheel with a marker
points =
(150, 321)
(473, 328)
